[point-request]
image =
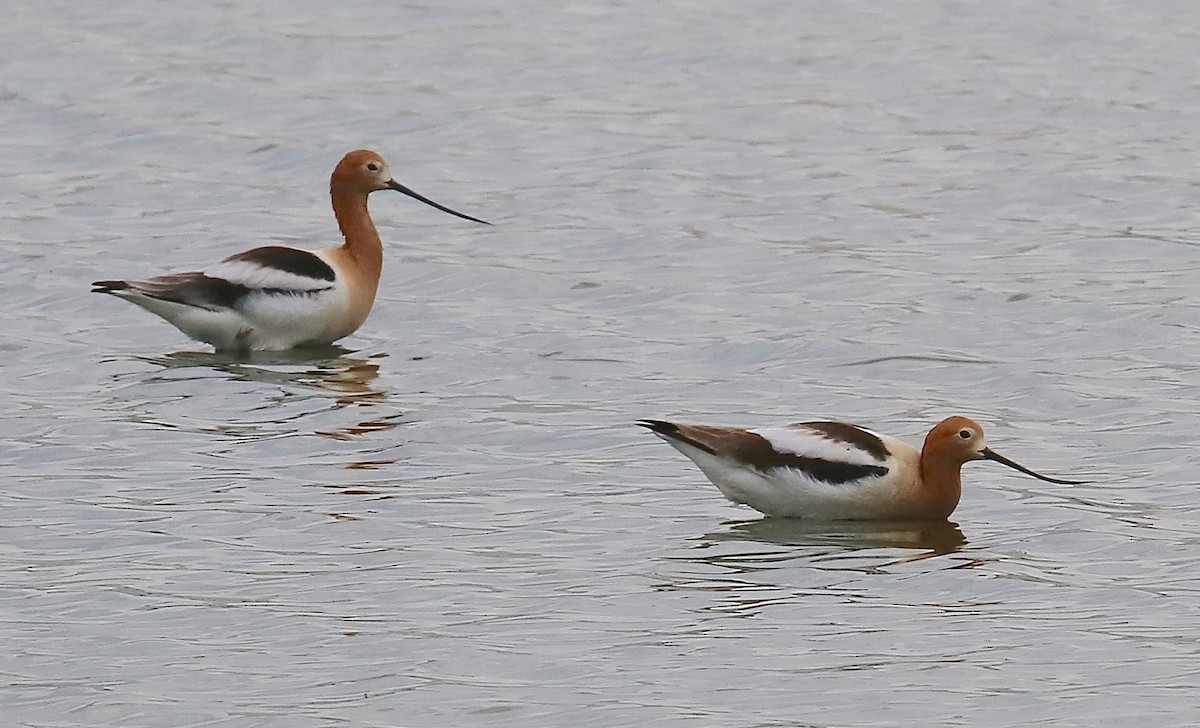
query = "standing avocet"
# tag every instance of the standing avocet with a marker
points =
(275, 297)
(834, 470)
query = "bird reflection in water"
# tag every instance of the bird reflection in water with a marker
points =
(329, 369)
(300, 376)
(749, 566)
(932, 538)
(852, 545)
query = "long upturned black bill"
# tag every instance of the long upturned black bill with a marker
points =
(401, 188)
(987, 453)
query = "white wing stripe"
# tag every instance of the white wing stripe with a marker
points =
(252, 275)
(812, 445)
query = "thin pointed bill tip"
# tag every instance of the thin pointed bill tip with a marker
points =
(393, 184)
(988, 454)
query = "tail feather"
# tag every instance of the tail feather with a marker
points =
(672, 431)
(188, 289)
(109, 286)
(662, 427)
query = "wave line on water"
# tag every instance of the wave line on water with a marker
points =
(919, 357)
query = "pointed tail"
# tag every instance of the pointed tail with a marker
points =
(109, 286)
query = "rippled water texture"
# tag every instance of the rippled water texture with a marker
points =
(740, 213)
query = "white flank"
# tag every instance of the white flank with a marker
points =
(280, 321)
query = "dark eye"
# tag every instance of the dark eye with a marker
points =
(373, 167)
(964, 434)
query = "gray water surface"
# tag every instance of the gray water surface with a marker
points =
(745, 214)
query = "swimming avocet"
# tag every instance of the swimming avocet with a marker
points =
(275, 297)
(834, 470)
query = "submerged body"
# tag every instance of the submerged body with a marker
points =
(834, 470)
(276, 297)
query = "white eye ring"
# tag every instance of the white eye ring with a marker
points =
(964, 434)
(372, 166)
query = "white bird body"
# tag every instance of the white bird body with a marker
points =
(239, 304)
(276, 297)
(834, 470)
(794, 492)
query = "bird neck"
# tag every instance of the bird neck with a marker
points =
(941, 480)
(362, 245)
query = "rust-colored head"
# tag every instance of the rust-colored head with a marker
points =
(957, 440)
(362, 172)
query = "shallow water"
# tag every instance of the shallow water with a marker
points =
(742, 214)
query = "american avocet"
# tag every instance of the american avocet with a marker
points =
(836, 471)
(275, 297)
